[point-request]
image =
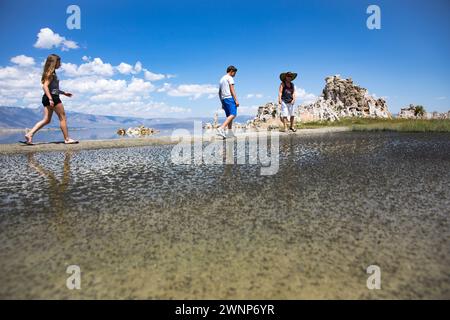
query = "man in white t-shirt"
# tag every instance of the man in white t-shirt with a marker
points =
(229, 101)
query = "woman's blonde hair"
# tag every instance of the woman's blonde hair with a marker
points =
(49, 67)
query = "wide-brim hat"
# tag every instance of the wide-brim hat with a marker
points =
(284, 74)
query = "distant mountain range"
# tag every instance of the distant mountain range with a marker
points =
(15, 117)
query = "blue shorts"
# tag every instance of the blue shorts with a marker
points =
(229, 106)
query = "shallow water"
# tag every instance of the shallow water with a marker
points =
(165, 127)
(55, 135)
(140, 226)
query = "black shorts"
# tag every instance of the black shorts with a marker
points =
(55, 98)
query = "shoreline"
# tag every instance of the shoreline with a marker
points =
(18, 148)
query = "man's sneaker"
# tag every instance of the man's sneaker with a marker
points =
(221, 133)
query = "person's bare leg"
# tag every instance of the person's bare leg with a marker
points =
(59, 109)
(230, 124)
(227, 121)
(48, 112)
(284, 120)
(230, 128)
(292, 122)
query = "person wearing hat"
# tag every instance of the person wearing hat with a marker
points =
(229, 101)
(286, 98)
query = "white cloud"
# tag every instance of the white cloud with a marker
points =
(47, 39)
(140, 85)
(95, 89)
(89, 68)
(142, 109)
(125, 68)
(117, 97)
(165, 87)
(9, 73)
(248, 110)
(91, 84)
(69, 44)
(138, 67)
(254, 95)
(94, 85)
(101, 90)
(20, 84)
(193, 91)
(4, 101)
(98, 67)
(153, 76)
(304, 96)
(23, 60)
(441, 98)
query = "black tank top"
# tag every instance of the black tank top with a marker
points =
(54, 84)
(287, 94)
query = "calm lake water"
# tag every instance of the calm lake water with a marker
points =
(55, 135)
(140, 226)
(164, 126)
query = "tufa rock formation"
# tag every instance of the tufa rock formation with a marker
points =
(268, 117)
(341, 98)
(138, 131)
(418, 112)
(437, 115)
(214, 125)
(410, 112)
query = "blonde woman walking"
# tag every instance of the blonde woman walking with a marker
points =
(51, 101)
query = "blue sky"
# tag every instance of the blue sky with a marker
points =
(184, 48)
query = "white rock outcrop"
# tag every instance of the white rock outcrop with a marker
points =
(342, 98)
(410, 112)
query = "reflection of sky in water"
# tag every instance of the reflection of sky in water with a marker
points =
(165, 128)
(140, 226)
(79, 134)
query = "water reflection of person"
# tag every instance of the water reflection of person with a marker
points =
(57, 189)
(229, 158)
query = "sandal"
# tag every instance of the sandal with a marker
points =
(293, 129)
